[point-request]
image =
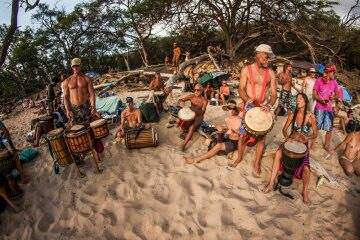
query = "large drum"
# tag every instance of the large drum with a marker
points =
(258, 122)
(293, 156)
(99, 128)
(47, 123)
(59, 149)
(186, 116)
(141, 138)
(6, 162)
(79, 139)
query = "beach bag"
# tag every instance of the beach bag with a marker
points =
(148, 113)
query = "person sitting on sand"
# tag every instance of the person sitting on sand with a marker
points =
(303, 129)
(350, 159)
(130, 118)
(156, 84)
(230, 138)
(198, 105)
(224, 93)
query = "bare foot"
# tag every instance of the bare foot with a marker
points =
(234, 164)
(306, 198)
(268, 188)
(257, 171)
(189, 160)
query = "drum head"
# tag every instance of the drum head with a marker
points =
(55, 132)
(295, 147)
(97, 123)
(77, 128)
(258, 120)
(186, 114)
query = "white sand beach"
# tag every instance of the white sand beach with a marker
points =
(152, 194)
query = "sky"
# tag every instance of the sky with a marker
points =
(24, 18)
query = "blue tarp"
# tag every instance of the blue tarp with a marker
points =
(108, 105)
(346, 94)
(92, 74)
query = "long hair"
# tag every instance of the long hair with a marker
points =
(297, 110)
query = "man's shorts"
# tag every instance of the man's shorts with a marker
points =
(324, 120)
(82, 114)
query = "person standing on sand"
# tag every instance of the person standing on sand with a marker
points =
(308, 86)
(256, 81)
(176, 55)
(350, 159)
(326, 90)
(79, 101)
(303, 129)
(198, 105)
(285, 79)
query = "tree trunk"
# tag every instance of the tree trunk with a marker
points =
(230, 46)
(10, 32)
(126, 62)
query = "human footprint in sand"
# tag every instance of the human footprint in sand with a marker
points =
(229, 140)
(198, 105)
(303, 129)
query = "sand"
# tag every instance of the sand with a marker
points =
(152, 194)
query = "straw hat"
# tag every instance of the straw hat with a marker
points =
(186, 114)
(76, 62)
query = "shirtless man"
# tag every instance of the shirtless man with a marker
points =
(156, 84)
(79, 96)
(176, 55)
(256, 81)
(198, 105)
(79, 101)
(350, 159)
(130, 118)
(285, 80)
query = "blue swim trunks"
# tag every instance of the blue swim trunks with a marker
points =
(324, 120)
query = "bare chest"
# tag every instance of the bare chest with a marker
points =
(77, 82)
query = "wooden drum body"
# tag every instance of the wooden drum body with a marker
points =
(99, 128)
(47, 123)
(79, 139)
(6, 162)
(258, 122)
(145, 138)
(59, 149)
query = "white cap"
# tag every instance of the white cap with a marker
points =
(266, 49)
(76, 62)
(312, 70)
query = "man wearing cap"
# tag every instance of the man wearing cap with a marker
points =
(130, 118)
(308, 86)
(257, 81)
(326, 90)
(79, 96)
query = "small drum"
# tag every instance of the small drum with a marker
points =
(258, 122)
(186, 114)
(79, 139)
(47, 123)
(293, 155)
(99, 128)
(60, 151)
(6, 162)
(141, 138)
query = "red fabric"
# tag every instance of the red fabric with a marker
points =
(185, 125)
(330, 68)
(261, 98)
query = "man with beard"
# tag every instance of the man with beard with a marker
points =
(257, 80)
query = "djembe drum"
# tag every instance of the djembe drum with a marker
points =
(58, 147)
(79, 139)
(257, 122)
(186, 116)
(141, 138)
(47, 123)
(99, 128)
(293, 156)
